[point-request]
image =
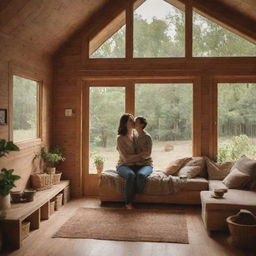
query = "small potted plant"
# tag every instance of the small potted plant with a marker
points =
(7, 178)
(99, 163)
(51, 158)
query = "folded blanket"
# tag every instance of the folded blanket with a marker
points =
(158, 183)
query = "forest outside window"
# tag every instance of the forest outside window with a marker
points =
(25, 109)
(236, 120)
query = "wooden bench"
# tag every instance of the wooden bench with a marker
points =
(34, 212)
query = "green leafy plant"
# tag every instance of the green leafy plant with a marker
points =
(98, 160)
(7, 179)
(51, 158)
(239, 145)
(6, 147)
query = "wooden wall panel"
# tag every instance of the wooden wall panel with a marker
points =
(21, 57)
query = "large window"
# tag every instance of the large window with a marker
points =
(236, 120)
(107, 104)
(25, 109)
(168, 109)
(212, 40)
(159, 30)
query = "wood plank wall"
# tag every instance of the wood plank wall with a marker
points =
(20, 58)
(72, 66)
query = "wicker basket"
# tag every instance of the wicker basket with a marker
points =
(242, 227)
(56, 178)
(25, 226)
(58, 201)
(52, 207)
(41, 181)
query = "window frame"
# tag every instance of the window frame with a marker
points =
(26, 73)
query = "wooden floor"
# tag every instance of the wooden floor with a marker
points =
(40, 243)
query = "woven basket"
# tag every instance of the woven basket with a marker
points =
(52, 207)
(58, 201)
(242, 227)
(41, 181)
(56, 178)
(25, 226)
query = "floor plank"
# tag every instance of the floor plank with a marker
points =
(40, 243)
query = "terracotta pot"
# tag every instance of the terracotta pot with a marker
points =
(5, 202)
(99, 168)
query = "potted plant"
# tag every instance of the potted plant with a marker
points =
(7, 179)
(99, 163)
(51, 158)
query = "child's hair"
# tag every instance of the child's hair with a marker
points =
(143, 121)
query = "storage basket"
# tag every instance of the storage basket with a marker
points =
(242, 227)
(52, 207)
(58, 201)
(56, 178)
(25, 227)
(41, 181)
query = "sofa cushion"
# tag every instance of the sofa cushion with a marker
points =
(218, 171)
(236, 179)
(174, 166)
(216, 184)
(189, 171)
(195, 184)
(198, 161)
(234, 199)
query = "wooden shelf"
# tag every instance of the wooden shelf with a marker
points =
(34, 212)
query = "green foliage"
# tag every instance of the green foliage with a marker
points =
(6, 147)
(98, 160)
(239, 145)
(51, 158)
(7, 180)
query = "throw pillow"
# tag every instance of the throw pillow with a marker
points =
(198, 161)
(236, 179)
(218, 171)
(174, 166)
(189, 171)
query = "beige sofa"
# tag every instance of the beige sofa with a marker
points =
(215, 211)
(189, 193)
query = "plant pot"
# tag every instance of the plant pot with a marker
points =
(5, 202)
(99, 168)
(50, 170)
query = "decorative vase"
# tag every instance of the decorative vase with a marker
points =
(99, 168)
(50, 170)
(5, 202)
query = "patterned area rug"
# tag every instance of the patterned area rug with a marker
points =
(152, 225)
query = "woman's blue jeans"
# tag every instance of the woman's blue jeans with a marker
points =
(135, 177)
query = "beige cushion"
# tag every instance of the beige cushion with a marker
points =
(196, 184)
(236, 179)
(198, 161)
(189, 171)
(233, 199)
(218, 171)
(174, 166)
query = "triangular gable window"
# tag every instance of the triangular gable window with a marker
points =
(159, 30)
(113, 47)
(212, 40)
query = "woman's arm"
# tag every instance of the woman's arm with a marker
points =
(125, 154)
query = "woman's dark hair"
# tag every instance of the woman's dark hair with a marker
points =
(143, 121)
(122, 129)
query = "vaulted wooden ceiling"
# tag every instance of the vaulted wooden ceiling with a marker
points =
(46, 24)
